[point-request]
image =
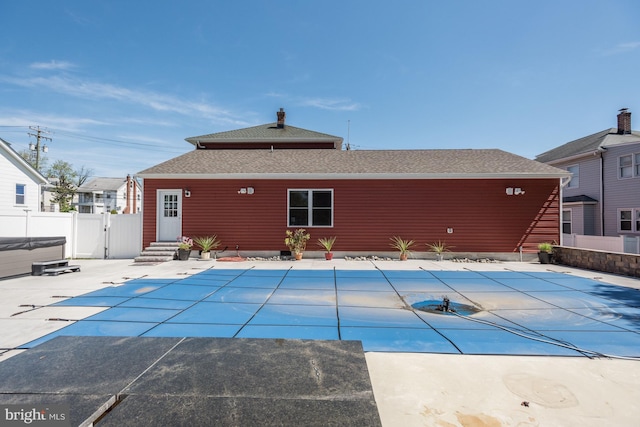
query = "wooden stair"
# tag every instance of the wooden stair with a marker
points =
(158, 252)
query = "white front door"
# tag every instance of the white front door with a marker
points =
(169, 215)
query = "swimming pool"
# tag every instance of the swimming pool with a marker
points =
(519, 313)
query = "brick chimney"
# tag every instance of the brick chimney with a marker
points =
(281, 116)
(624, 122)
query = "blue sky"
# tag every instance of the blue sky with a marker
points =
(120, 84)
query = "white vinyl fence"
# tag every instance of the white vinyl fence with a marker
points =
(620, 244)
(88, 235)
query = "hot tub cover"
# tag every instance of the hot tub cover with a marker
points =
(29, 243)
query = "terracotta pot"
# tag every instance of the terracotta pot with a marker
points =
(403, 257)
(298, 256)
(328, 256)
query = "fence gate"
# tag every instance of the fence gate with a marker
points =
(90, 236)
(124, 236)
(108, 236)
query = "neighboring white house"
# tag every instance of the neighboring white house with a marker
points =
(121, 195)
(19, 182)
(603, 196)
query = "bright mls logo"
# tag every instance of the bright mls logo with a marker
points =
(35, 415)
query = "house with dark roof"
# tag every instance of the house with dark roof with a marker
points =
(19, 182)
(250, 185)
(603, 196)
(100, 195)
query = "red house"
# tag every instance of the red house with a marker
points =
(250, 185)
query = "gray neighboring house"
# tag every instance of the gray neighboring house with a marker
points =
(603, 196)
(99, 195)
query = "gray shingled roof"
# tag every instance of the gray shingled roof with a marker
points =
(266, 132)
(23, 164)
(588, 144)
(102, 184)
(354, 164)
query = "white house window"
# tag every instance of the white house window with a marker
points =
(310, 208)
(625, 166)
(566, 221)
(636, 159)
(575, 176)
(20, 192)
(637, 220)
(625, 219)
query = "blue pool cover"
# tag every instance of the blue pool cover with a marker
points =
(521, 313)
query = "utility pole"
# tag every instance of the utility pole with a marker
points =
(38, 134)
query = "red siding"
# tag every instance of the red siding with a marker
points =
(368, 212)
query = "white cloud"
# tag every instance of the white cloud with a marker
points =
(31, 118)
(331, 104)
(156, 101)
(622, 48)
(52, 65)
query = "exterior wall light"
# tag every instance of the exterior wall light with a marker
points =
(187, 193)
(514, 191)
(246, 190)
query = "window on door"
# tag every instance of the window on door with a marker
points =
(170, 208)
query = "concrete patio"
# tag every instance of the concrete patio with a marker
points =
(409, 388)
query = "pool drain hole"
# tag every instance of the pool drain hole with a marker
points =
(445, 306)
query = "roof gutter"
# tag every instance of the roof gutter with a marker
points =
(350, 176)
(596, 152)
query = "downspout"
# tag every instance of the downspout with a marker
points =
(600, 151)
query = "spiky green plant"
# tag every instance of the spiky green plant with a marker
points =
(439, 247)
(404, 246)
(327, 242)
(207, 243)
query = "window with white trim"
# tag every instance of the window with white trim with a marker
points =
(625, 166)
(625, 219)
(20, 193)
(566, 221)
(575, 176)
(310, 208)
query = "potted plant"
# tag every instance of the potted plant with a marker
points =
(327, 243)
(296, 241)
(439, 248)
(545, 252)
(184, 248)
(206, 243)
(402, 245)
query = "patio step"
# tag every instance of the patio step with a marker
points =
(158, 252)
